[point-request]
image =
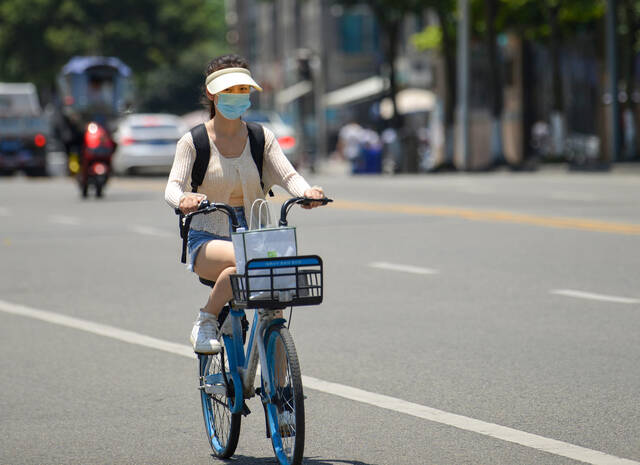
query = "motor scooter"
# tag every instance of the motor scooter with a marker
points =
(93, 92)
(95, 161)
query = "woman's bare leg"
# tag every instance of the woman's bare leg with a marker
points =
(216, 261)
(221, 293)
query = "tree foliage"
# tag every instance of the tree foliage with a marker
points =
(165, 42)
(532, 17)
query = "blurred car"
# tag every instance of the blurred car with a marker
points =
(147, 141)
(24, 130)
(285, 134)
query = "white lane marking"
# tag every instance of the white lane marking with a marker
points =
(493, 430)
(4, 211)
(98, 328)
(504, 433)
(148, 231)
(592, 296)
(405, 268)
(67, 220)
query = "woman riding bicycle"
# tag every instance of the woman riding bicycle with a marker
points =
(232, 178)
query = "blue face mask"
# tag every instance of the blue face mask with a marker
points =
(232, 106)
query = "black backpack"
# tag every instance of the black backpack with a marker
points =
(203, 154)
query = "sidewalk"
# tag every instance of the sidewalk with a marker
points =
(333, 167)
(342, 168)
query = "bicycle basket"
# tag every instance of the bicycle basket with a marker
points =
(279, 282)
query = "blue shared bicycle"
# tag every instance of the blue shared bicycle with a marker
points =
(227, 379)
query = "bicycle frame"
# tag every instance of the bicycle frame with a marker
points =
(243, 366)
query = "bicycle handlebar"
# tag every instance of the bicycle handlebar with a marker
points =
(206, 207)
(300, 201)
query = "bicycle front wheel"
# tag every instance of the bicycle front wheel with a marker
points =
(285, 407)
(222, 426)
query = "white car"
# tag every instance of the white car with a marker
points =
(147, 141)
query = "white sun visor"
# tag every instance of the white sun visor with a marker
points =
(229, 77)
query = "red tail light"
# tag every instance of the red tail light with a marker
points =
(68, 100)
(96, 136)
(99, 169)
(40, 140)
(127, 141)
(287, 142)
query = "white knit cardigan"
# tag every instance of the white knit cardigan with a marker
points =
(224, 174)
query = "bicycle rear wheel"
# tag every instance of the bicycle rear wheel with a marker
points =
(285, 408)
(222, 426)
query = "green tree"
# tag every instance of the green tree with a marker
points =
(152, 36)
(549, 21)
(629, 39)
(442, 39)
(629, 30)
(552, 21)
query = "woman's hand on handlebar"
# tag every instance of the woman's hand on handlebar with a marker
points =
(190, 202)
(314, 192)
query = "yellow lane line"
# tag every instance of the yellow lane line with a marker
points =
(494, 216)
(582, 224)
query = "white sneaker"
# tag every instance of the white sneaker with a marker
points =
(204, 335)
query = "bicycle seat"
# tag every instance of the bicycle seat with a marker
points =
(206, 282)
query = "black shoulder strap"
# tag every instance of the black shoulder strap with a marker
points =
(256, 143)
(203, 153)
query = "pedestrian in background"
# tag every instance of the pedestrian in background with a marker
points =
(350, 141)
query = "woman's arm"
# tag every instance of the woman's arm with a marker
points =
(277, 169)
(176, 193)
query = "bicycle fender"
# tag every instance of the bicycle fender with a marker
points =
(274, 322)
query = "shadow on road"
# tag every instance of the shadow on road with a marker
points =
(242, 460)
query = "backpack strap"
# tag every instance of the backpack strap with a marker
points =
(203, 153)
(256, 143)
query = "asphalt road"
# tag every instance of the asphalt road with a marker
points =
(475, 303)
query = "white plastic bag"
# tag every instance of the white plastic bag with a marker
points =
(267, 242)
(263, 243)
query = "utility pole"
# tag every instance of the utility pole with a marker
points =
(320, 110)
(463, 81)
(612, 65)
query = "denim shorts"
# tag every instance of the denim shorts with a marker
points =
(197, 239)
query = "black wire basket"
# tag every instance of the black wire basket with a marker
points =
(279, 282)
